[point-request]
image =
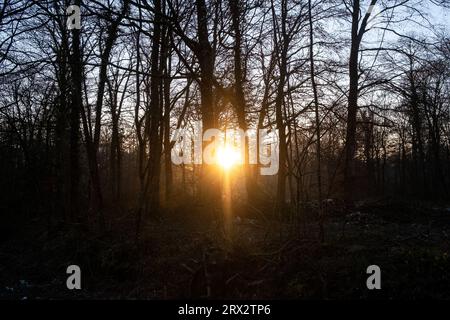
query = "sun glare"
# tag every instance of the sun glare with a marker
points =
(227, 157)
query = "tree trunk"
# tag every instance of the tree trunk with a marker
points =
(76, 106)
(317, 118)
(155, 114)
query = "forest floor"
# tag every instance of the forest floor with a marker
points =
(177, 257)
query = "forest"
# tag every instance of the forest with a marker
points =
(224, 149)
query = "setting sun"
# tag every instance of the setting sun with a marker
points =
(227, 157)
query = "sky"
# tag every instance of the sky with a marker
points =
(440, 16)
